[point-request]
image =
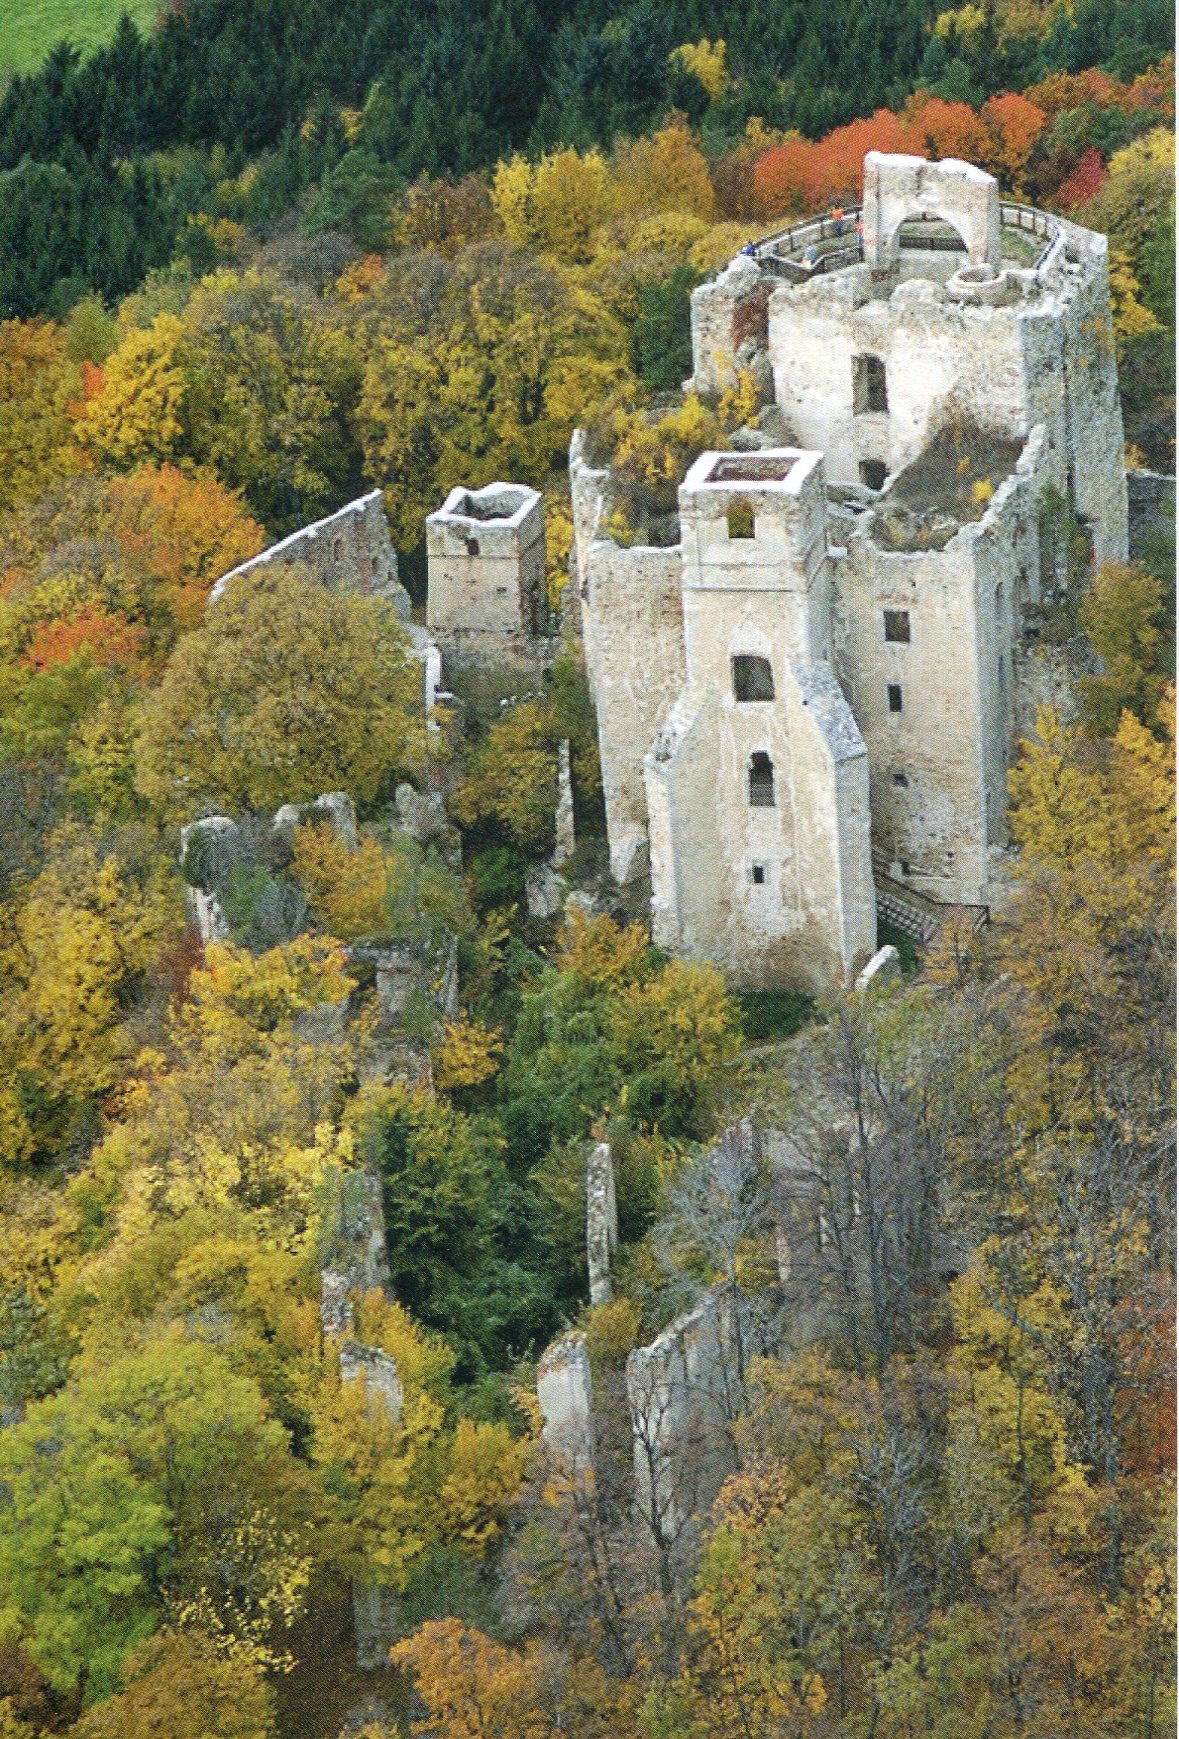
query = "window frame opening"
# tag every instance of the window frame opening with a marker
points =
(750, 671)
(741, 520)
(869, 385)
(898, 628)
(759, 778)
(873, 474)
(896, 697)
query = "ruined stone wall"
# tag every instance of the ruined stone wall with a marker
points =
(942, 360)
(683, 1389)
(1026, 348)
(728, 324)
(601, 1221)
(633, 636)
(681, 775)
(564, 1391)
(349, 551)
(939, 765)
(1094, 436)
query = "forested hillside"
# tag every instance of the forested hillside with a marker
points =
(253, 262)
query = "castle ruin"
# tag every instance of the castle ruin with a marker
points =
(813, 688)
(809, 679)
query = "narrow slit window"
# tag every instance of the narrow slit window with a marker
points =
(761, 781)
(896, 627)
(896, 699)
(757, 874)
(869, 388)
(752, 677)
(740, 518)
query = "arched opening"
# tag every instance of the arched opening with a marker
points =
(752, 677)
(740, 518)
(761, 780)
(927, 232)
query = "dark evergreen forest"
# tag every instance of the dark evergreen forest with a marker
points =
(144, 128)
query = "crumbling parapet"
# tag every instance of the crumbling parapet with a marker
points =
(601, 1221)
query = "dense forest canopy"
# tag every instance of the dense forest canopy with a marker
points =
(149, 124)
(256, 260)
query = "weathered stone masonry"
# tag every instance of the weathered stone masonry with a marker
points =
(825, 672)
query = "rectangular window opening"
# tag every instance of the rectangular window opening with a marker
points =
(872, 473)
(896, 627)
(752, 677)
(761, 781)
(757, 874)
(869, 386)
(896, 700)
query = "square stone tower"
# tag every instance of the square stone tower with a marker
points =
(486, 602)
(757, 785)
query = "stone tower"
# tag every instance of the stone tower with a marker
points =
(757, 784)
(486, 601)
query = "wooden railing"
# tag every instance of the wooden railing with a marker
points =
(783, 254)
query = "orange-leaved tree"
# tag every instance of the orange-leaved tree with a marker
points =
(187, 530)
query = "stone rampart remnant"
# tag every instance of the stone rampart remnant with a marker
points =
(335, 809)
(683, 1392)
(208, 850)
(349, 551)
(378, 1372)
(601, 1221)
(564, 1389)
(883, 968)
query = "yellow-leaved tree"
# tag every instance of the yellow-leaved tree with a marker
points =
(135, 416)
(39, 381)
(76, 946)
(285, 690)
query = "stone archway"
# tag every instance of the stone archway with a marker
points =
(898, 188)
